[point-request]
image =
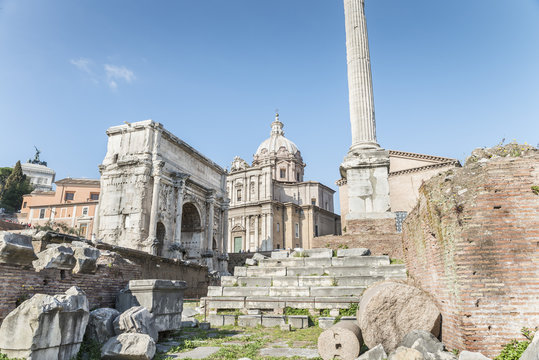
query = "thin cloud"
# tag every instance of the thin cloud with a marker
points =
(82, 64)
(115, 73)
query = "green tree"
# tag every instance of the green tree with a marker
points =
(15, 187)
(4, 174)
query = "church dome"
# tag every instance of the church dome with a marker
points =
(276, 141)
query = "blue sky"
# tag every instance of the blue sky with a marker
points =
(449, 76)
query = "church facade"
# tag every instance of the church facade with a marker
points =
(271, 206)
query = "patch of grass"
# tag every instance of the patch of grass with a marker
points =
(5, 357)
(396, 261)
(535, 189)
(334, 282)
(351, 311)
(292, 311)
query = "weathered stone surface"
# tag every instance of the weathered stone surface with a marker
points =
(198, 353)
(390, 310)
(100, 327)
(326, 322)
(86, 259)
(46, 327)
(280, 352)
(130, 346)
(279, 254)
(216, 320)
(403, 353)
(376, 353)
(204, 326)
(272, 320)
(259, 257)
(249, 320)
(57, 257)
(163, 298)
(424, 342)
(251, 262)
(136, 320)
(341, 341)
(531, 353)
(298, 321)
(353, 252)
(285, 327)
(319, 253)
(16, 249)
(468, 355)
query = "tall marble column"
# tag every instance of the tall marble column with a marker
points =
(366, 166)
(225, 239)
(210, 201)
(257, 244)
(154, 216)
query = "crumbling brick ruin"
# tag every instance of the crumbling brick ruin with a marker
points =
(472, 242)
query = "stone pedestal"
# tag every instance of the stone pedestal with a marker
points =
(366, 172)
(163, 298)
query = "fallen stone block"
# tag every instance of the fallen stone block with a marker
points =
(326, 322)
(216, 320)
(353, 252)
(229, 320)
(204, 326)
(215, 291)
(258, 257)
(341, 341)
(283, 254)
(272, 320)
(100, 327)
(189, 323)
(136, 320)
(319, 253)
(468, 355)
(251, 262)
(197, 353)
(298, 321)
(46, 327)
(390, 310)
(229, 280)
(285, 327)
(16, 249)
(57, 257)
(424, 342)
(162, 298)
(376, 353)
(403, 353)
(132, 346)
(240, 271)
(86, 259)
(249, 320)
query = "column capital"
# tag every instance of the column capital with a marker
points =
(180, 179)
(158, 168)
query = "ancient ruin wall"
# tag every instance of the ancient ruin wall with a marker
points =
(472, 242)
(19, 283)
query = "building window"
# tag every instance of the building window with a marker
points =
(24, 205)
(283, 173)
(238, 194)
(278, 227)
(94, 196)
(297, 176)
(327, 207)
(69, 196)
(297, 230)
(316, 230)
(85, 211)
(41, 213)
(313, 201)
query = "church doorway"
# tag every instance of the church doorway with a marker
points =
(238, 241)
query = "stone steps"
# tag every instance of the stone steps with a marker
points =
(341, 270)
(310, 281)
(277, 304)
(315, 280)
(276, 291)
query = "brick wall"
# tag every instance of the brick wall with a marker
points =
(18, 283)
(472, 242)
(379, 244)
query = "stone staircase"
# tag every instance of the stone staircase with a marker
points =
(313, 279)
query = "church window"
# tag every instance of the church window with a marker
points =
(41, 213)
(313, 201)
(297, 230)
(283, 173)
(238, 194)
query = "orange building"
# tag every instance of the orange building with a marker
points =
(73, 204)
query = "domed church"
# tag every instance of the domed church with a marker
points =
(271, 206)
